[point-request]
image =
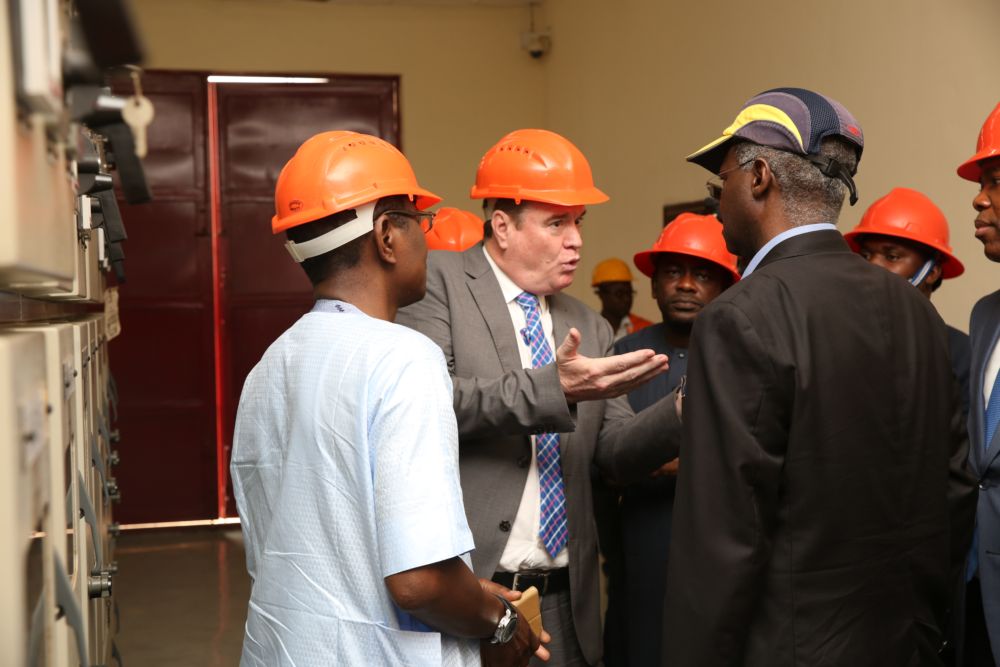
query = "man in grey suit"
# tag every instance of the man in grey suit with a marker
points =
(532, 418)
(984, 413)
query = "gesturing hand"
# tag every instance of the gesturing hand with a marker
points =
(586, 379)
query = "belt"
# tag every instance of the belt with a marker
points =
(546, 581)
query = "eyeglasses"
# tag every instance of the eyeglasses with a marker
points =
(714, 184)
(423, 218)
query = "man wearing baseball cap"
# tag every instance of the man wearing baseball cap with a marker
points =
(822, 500)
(984, 415)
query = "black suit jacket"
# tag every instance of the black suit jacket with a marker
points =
(824, 502)
(984, 329)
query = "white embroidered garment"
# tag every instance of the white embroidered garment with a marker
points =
(345, 471)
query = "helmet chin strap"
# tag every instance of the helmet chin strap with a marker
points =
(921, 275)
(333, 239)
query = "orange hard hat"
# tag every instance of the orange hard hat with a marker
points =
(611, 270)
(988, 146)
(911, 215)
(336, 171)
(690, 234)
(454, 229)
(536, 165)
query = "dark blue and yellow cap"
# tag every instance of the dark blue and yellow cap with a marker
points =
(789, 119)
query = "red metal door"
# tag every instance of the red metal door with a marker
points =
(246, 133)
(164, 363)
(260, 126)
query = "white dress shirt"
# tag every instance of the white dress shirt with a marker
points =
(524, 550)
(785, 235)
(992, 368)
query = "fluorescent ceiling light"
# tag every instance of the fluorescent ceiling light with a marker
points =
(219, 78)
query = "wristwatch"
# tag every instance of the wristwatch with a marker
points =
(507, 625)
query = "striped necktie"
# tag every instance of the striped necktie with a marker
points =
(553, 528)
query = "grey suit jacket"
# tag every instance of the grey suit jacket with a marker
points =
(499, 404)
(984, 330)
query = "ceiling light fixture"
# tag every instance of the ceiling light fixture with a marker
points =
(221, 78)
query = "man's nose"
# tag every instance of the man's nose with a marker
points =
(982, 201)
(573, 238)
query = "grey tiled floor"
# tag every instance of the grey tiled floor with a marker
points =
(182, 596)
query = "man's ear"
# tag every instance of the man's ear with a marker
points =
(932, 278)
(501, 223)
(934, 274)
(761, 179)
(386, 237)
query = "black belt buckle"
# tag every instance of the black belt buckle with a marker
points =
(543, 576)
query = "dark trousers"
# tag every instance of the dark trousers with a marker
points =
(977, 651)
(557, 619)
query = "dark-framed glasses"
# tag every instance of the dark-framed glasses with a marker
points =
(423, 218)
(714, 184)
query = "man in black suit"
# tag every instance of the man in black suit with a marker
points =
(984, 414)
(823, 504)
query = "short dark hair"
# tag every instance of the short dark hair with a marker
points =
(325, 266)
(807, 194)
(508, 206)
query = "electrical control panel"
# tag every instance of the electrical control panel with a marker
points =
(69, 149)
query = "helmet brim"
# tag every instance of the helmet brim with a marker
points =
(711, 156)
(971, 169)
(951, 266)
(645, 261)
(583, 197)
(423, 199)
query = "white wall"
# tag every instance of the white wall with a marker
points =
(638, 84)
(464, 79)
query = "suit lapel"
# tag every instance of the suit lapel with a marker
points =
(560, 328)
(486, 292)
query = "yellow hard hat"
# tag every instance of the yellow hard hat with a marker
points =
(611, 270)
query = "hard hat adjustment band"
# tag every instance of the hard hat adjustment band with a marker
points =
(834, 169)
(335, 238)
(921, 275)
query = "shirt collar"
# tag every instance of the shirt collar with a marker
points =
(508, 287)
(783, 236)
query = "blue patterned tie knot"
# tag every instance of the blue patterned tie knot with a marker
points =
(533, 334)
(554, 526)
